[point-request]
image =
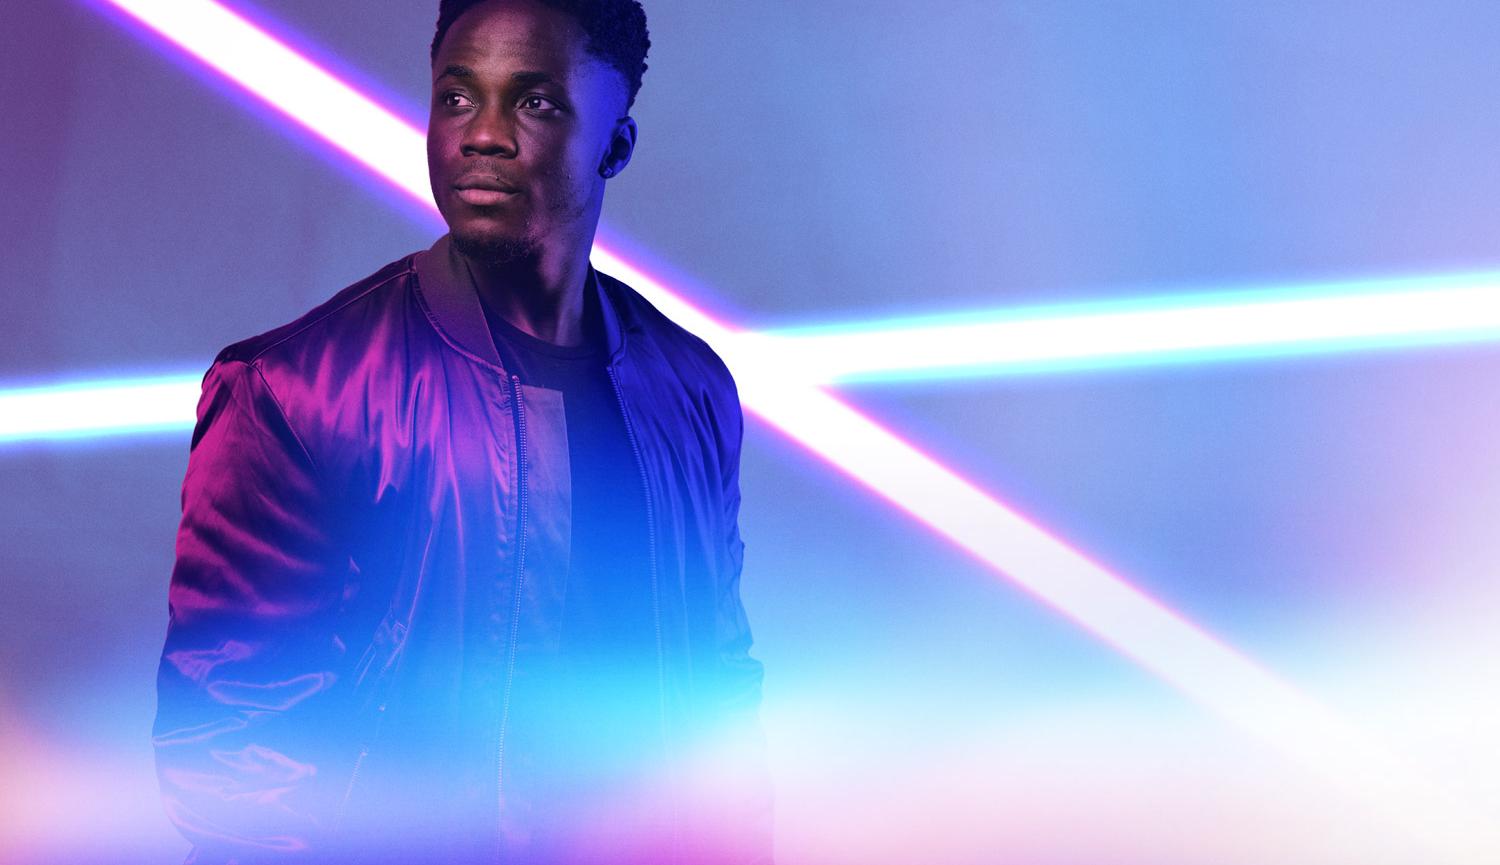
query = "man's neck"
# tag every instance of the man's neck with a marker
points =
(541, 296)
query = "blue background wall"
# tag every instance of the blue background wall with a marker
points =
(1333, 517)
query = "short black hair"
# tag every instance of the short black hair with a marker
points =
(615, 29)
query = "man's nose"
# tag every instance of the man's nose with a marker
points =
(491, 131)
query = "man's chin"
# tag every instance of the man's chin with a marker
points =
(495, 250)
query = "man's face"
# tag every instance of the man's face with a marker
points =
(522, 120)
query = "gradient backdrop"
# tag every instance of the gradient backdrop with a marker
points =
(1335, 517)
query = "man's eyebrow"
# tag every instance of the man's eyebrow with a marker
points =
(525, 78)
(454, 70)
(529, 78)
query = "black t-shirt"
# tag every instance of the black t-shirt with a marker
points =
(600, 714)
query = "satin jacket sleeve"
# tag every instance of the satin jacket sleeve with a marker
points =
(738, 775)
(245, 686)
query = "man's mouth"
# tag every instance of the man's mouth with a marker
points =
(483, 191)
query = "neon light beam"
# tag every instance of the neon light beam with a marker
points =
(87, 409)
(1305, 319)
(1221, 679)
(1328, 317)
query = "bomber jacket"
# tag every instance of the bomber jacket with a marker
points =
(374, 521)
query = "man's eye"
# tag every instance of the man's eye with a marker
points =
(452, 99)
(534, 102)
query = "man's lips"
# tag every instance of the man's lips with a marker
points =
(483, 191)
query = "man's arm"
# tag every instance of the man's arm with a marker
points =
(243, 688)
(737, 774)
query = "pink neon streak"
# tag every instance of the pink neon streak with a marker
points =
(840, 462)
(284, 80)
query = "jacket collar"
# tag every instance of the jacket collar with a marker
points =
(444, 284)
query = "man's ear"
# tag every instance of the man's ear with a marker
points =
(621, 145)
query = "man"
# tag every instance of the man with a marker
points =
(457, 574)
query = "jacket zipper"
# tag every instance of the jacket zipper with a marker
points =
(515, 616)
(661, 670)
(359, 762)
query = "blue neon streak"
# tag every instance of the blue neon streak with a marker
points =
(1326, 318)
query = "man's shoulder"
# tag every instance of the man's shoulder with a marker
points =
(347, 313)
(687, 352)
(316, 369)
